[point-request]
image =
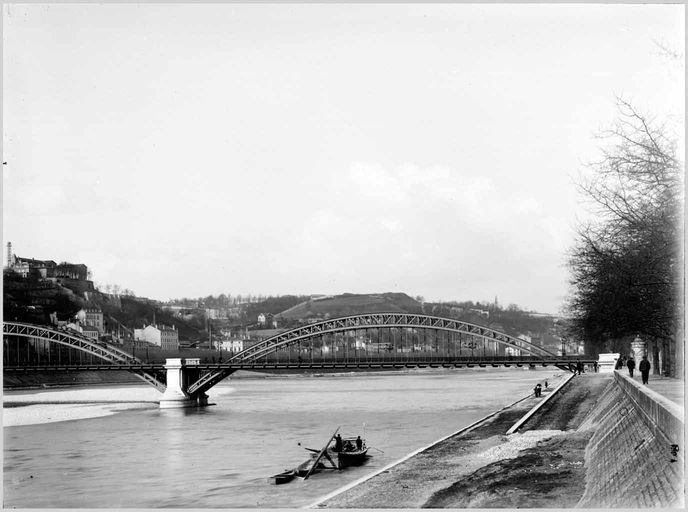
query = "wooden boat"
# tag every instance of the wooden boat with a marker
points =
(282, 478)
(302, 469)
(350, 454)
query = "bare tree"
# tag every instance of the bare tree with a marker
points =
(625, 265)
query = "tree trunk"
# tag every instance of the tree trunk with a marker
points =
(656, 361)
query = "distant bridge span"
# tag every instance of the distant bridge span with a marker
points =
(386, 320)
(363, 322)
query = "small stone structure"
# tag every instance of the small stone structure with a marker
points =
(607, 362)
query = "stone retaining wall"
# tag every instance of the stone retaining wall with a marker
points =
(663, 413)
(628, 459)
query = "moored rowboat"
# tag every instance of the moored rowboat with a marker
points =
(352, 458)
(352, 452)
(349, 452)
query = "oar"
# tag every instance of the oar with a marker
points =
(309, 449)
(373, 448)
(315, 462)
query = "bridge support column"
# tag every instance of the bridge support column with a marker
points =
(175, 395)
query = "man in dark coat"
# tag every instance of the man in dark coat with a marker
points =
(631, 366)
(645, 369)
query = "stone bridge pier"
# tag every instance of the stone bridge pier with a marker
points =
(180, 374)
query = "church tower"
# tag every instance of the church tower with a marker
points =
(9, 255)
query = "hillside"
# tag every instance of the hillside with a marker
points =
(31, 300)
(136, 313)
(351, 304)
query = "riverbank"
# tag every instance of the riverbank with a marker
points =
(71, 379)
(542, 466)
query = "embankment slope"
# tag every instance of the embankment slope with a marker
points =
(603, 442)
(540, 467)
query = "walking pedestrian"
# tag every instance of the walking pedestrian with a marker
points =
(594, 366)
(579, 367)
(645, 369)
(631, 366)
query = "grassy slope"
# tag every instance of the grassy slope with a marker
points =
(351, 304)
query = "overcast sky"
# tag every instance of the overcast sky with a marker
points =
(188, 150)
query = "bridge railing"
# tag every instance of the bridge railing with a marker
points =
(371, 357)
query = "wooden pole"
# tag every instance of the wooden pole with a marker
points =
(320, 455)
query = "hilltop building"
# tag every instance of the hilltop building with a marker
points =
(78, 272)
(44, 268)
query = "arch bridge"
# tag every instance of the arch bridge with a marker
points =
(374, 340)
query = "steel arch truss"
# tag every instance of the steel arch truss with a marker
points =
(74, 340)
(208, 380)
(384, 320)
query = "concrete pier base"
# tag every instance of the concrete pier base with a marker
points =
(175, 395)
(176, 401)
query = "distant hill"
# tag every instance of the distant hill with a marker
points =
(351, 304)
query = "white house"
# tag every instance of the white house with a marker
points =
(165, 337)
(233, 346)
(90, 332)
(94, 318)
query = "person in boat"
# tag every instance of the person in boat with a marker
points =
(348, 446)
(359, 443)
(338, 443)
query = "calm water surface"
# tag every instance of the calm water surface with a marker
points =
(221, 456)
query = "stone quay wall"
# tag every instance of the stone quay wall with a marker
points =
(629, 459)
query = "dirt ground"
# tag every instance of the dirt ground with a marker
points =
(542, 466)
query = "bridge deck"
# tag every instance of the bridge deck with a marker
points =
(267, 365)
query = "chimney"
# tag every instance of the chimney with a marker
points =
(9, 254)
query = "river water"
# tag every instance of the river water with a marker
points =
(122, 451)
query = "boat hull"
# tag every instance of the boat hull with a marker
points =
(355, 458)
(282, 478)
